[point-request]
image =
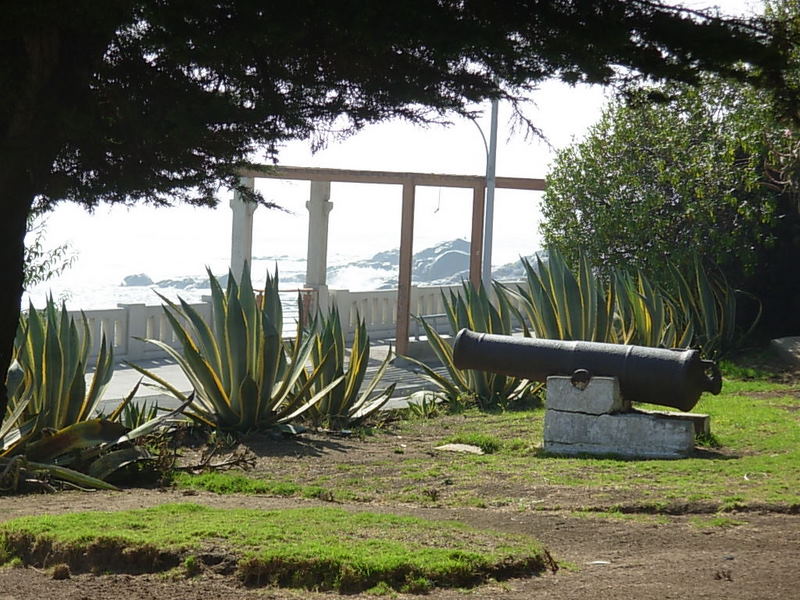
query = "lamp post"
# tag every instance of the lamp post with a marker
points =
(488, 219)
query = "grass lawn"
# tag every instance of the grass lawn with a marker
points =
(751, 461)
(312, 548)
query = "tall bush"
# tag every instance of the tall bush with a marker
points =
(710, 174)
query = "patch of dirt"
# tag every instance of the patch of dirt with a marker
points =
(100, 556)
(399, 466)
(776, 394)
(658, 550)
(626, 559)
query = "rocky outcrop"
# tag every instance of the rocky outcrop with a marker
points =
(137, 279)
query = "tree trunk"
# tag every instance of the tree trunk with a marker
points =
(18, 194)
(28, 145)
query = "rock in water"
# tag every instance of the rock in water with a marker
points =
(184, 283)
(138, 279)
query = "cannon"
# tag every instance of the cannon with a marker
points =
(674, 378)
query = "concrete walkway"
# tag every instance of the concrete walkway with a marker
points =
(124, 379)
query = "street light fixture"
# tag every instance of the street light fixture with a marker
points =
(488, 219)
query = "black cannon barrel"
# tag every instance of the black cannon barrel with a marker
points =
(660, 376)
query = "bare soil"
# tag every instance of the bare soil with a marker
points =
(646, 557)
(676, 554)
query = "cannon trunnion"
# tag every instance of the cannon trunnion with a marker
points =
(674, 378)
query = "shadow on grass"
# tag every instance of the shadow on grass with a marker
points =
(307, 445)
(702, 453)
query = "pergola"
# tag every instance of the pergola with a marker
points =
(319, 206)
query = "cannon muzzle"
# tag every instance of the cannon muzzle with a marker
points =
(660, 376)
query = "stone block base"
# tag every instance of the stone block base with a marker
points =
(599, 396)
(633, 434)
(700, 422)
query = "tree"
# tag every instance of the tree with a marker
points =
(163, 100)
(43, 263)
(652, 183)
(713, 173)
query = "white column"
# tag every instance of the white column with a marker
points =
(319, 206)
(242, 228)
(135, 330)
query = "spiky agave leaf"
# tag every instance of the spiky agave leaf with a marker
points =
(472, 309)
(84, 434)
(71, 476)
(364, 403)
(113, 461)
(11, 432)
(457, 382)
(346, 404)
(243, 375)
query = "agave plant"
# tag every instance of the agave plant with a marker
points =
(48, 374)
(136, 415)
(699, 309)
(646, 316)
(51, 425)
(709, 302)
(47, 380)
(561, 305)
(82, 454)
(472, 309)
(345, 405)
(244, 375)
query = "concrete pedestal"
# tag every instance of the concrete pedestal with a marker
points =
(600, 396)
(592, 418)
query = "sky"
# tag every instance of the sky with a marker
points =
(169, 242)
(117, 241)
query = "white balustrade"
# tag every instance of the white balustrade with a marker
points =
(379, 308)
(126, 327)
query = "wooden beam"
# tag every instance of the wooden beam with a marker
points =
(476, 237)
(389, 177)
(404, 275)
